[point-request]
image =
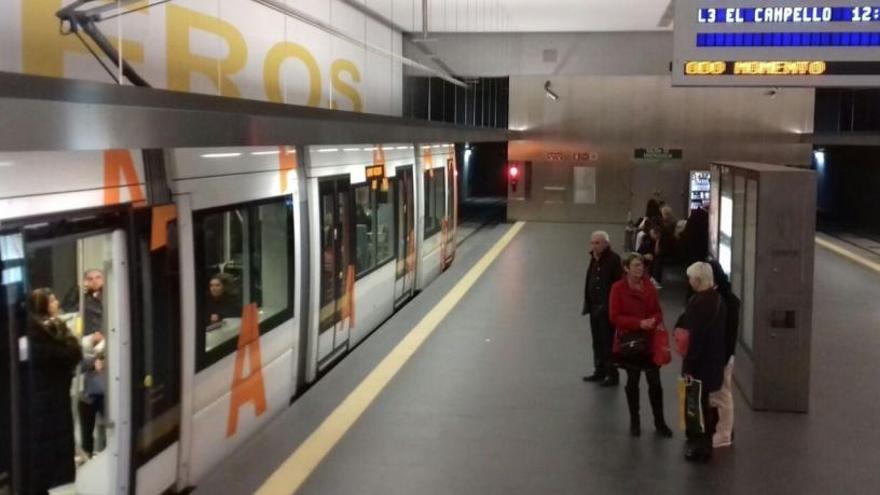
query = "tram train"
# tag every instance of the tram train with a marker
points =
(230, 285)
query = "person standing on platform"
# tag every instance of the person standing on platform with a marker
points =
(635, 313)
(604, 270)
(704, 319)
(722, 400)
(695, 237)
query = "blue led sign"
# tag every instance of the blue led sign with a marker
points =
(802, 43)
(745, 40)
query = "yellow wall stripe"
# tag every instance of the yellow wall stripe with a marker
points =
(848, 254)
(290, 476)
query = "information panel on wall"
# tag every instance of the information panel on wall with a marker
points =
(777, 43)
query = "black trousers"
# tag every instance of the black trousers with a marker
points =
(655, 393)
(603, 340)
(701, 443)
(88, 412)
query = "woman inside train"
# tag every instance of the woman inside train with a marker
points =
(53, 353)
(221, 302)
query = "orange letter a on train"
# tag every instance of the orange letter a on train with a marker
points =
(248, 388)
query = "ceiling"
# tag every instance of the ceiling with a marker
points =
(530, 15)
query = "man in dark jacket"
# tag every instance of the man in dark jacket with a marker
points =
(604, 270)
(91, 401)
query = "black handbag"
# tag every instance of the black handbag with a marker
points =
(634, 345)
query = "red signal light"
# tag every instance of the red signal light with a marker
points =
(514, 172)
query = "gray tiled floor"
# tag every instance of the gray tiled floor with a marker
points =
(493, 402)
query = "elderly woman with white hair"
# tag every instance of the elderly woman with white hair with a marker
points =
(703, 319)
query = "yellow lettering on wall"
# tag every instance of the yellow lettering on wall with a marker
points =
(182, 63)
(43, 47)
(338, 67)
(272, 72)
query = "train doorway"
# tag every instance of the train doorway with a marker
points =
(406, 250)
(76, 332)
(66, 299)
(337, 267)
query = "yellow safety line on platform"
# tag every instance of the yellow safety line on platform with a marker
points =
(848, 254)
(290, 476)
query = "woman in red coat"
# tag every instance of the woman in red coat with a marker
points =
(634, 307)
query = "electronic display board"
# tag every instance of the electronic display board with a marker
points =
(777, 43)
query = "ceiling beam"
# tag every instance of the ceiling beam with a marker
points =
(42, 113)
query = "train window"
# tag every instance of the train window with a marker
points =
(440, 195)
(243, 255)
(374, 226)
(363, 229)
(385, 224)
(432, 224)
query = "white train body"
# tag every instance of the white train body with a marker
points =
(313, 247)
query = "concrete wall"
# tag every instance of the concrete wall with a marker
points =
(615, 96)
(503, 54)
(607, 117)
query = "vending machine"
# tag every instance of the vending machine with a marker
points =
(700, 187)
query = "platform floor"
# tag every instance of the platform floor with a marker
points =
(493, 401)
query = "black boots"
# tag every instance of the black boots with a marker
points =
(632, 401)
(595, 377)
(656, 397)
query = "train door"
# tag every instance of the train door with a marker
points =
(406, 249)
(451, 211)
(336, 304)
(68, 308)
(72, 430)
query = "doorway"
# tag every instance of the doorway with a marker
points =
(337, 266)
(406, 251)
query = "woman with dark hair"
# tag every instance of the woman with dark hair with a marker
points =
(652, 210)
(221, 302)
(695, 237)
(653, 218)
(635, 313)
(53, 353)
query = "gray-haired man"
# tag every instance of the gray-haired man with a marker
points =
(604, 270)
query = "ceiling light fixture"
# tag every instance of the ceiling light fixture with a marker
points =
(220, 155)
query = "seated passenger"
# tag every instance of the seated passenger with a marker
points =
(221, 302)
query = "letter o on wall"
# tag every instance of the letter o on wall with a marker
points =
(272, 71)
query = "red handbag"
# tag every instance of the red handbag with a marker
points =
(662, 354)
(682, 341)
